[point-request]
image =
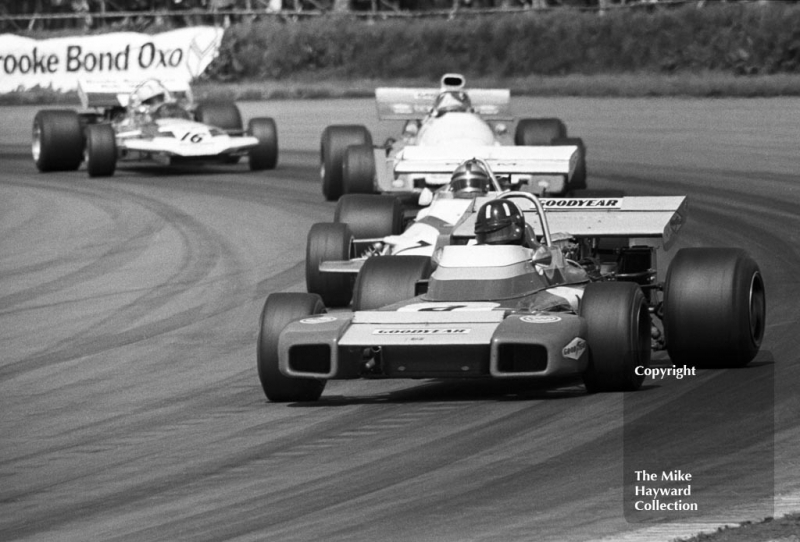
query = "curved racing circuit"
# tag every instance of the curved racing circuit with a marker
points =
(128, 317)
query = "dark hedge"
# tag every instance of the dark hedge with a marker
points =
(733, 38)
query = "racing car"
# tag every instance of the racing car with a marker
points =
(443, 127)
(149, 120)
(367, 225)
(506, 299)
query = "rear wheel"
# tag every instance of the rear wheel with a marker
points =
(618, 333)
(265, 154)
(101, 150)
(57, 142)
(385, 280)
(279, 310)
(714, 307)
(223, 115)
(334, 143)
(370, 216)
(329, 242)
(539, 131)
(358, 170)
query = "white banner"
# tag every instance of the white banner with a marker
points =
(60, 62)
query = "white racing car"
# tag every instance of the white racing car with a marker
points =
(150, 120)
(443, 127)
(367, 225)
(507, 299)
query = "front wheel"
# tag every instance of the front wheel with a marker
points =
(101, 150)
(265, 154)
(618, 333)
(279, 310)
(714, 307)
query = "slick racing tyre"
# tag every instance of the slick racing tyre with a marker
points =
(279, 310)
(385, 280)
(265, 155)
(578, 180)
(334, 143)
(539, 131)
(57, 143)
(370, 216)
(714, 308)
(618, 333)
(329, 242)
(223, 115)
(101, 150)
(358, 170)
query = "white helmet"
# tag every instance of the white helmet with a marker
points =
(150, 92)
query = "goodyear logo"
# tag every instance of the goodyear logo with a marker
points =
(575, 349)
(582, 203)
(421, 331)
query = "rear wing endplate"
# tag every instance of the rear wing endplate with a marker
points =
(109, 93)
(415, 103)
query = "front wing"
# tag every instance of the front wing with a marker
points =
(170, 146)
(434, 344)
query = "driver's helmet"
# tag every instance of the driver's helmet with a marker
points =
(500, 222)
(470, 180)
(150, 93)
(452, 101)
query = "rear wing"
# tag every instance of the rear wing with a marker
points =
(415, 103)
(109, 93)
(503, 160)
(650, 221)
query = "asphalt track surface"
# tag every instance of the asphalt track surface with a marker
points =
(130, 407)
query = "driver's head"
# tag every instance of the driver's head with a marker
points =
(452, 101)
(151, 92)
(470, 180)
(499, 222)
(156, 99)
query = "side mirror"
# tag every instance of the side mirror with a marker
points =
(542, 256)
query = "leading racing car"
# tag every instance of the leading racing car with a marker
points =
(443, 127)
(506, 299)
(149, 120)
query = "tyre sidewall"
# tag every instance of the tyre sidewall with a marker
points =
(61, 140)
(386, 280)
(618, 334)
(707, 319)
(358, 170)
(370, 216)
(279, 310)
(101, 150)
(329, 241)
(333, 145)
(265, 154)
